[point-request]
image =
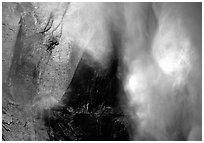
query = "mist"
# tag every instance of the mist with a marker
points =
(161, 49)
(159, 84)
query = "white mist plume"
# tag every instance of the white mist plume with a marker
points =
(159, 81)
(86, 24)
(160, 86)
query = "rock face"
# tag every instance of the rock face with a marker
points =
(33, 74)
(36, 70)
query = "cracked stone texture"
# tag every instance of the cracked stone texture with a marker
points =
(32, 77)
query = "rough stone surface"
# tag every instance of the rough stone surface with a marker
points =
(31, 73)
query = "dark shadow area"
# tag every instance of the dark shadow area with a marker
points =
(91, 108)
